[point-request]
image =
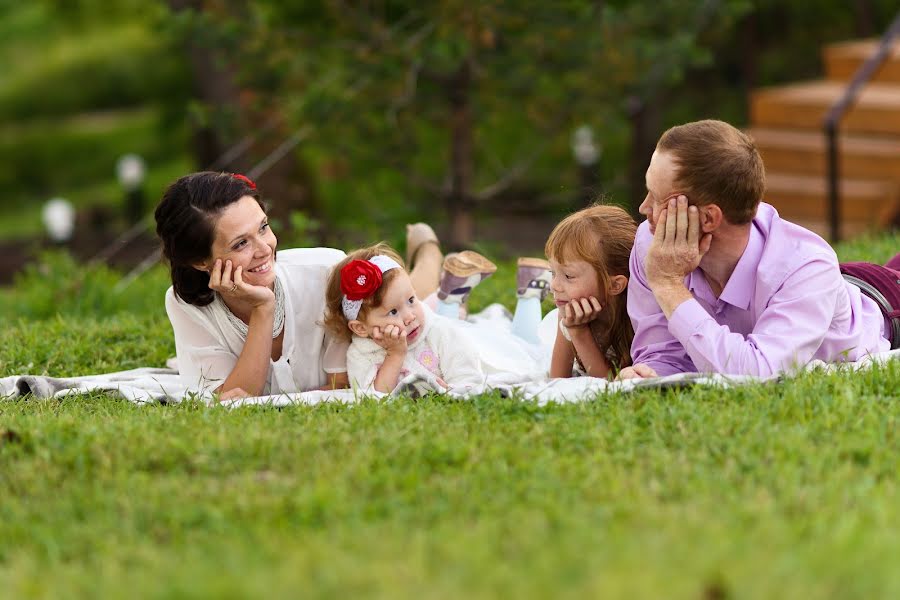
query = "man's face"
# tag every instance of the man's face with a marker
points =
(660, 181)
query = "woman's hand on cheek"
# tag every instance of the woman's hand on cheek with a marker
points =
(580, 312)
(228, 281)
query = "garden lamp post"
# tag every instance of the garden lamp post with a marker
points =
(58, 216)
(587, 156)
(130, 171)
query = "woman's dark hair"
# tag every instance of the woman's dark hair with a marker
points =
(185, 222)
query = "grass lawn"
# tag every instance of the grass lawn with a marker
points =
(784, 490)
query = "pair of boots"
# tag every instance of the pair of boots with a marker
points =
(462, 271)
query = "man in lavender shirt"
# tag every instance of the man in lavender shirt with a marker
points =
(721, 284)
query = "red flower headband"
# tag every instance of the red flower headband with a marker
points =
(360, 279)
(245, 179)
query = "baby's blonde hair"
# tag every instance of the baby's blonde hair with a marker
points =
(335, 322)
(601, 235)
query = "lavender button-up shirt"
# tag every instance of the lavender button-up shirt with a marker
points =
(785, 304)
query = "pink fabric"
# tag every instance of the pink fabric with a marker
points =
(886, 281)
(894, 263)
(786, 303)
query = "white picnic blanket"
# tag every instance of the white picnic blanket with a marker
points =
(163, 385)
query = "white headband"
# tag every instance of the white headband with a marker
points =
(351, 308)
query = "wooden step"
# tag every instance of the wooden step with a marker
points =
(864, 203)
(843, 59)
(805, 152)
(803, 106)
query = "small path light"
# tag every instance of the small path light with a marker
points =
(131, 171)
(587, 155)
(58, 216)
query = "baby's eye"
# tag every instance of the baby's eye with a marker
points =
(411, 300)
(569, 276)
(393, 312)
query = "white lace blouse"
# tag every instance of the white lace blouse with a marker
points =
(208, 346)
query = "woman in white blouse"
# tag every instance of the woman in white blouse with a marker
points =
(244, 323)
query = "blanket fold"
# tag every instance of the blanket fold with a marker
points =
(154, 385)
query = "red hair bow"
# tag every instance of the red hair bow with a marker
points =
(245, 179)
(360, 279)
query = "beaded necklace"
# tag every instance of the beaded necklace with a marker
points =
(277, 326)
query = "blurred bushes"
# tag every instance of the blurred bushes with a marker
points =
(84, 83)
(124, 65)
(57, 285)
(46, 156)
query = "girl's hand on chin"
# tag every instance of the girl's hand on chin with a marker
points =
(580, 312)
(392, 339)
(229, 282)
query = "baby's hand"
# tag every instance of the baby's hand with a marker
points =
(392, 339)
(580, 312)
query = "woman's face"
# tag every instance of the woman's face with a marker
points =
(242, 235)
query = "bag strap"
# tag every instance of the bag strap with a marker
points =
(887, 310)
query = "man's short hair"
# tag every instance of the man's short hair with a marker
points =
(717, 164)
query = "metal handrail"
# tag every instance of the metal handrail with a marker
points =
(836, 113)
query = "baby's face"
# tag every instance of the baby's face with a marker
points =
(399, 307)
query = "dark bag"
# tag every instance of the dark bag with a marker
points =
(882, 285)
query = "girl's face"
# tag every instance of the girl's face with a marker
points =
(573, 280)
(243, 236)
(399, 307)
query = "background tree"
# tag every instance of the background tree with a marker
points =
(462, 99)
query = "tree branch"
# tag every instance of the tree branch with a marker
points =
(507, 179)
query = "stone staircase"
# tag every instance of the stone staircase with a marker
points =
(786, 123)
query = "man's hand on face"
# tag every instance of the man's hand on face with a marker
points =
(677, 246)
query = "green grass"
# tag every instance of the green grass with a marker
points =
(782, 490)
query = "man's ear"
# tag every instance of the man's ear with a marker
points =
(358, 328)
(711, 217)
(617, 284)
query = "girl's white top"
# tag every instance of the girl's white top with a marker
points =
(439, 350)
(208, 346)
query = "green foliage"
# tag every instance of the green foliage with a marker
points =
(380, 82)
(94, 142)
(304, 231)
(108, 65)
(371, 79)
(83, 85)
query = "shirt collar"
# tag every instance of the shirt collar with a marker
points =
(742, 283)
